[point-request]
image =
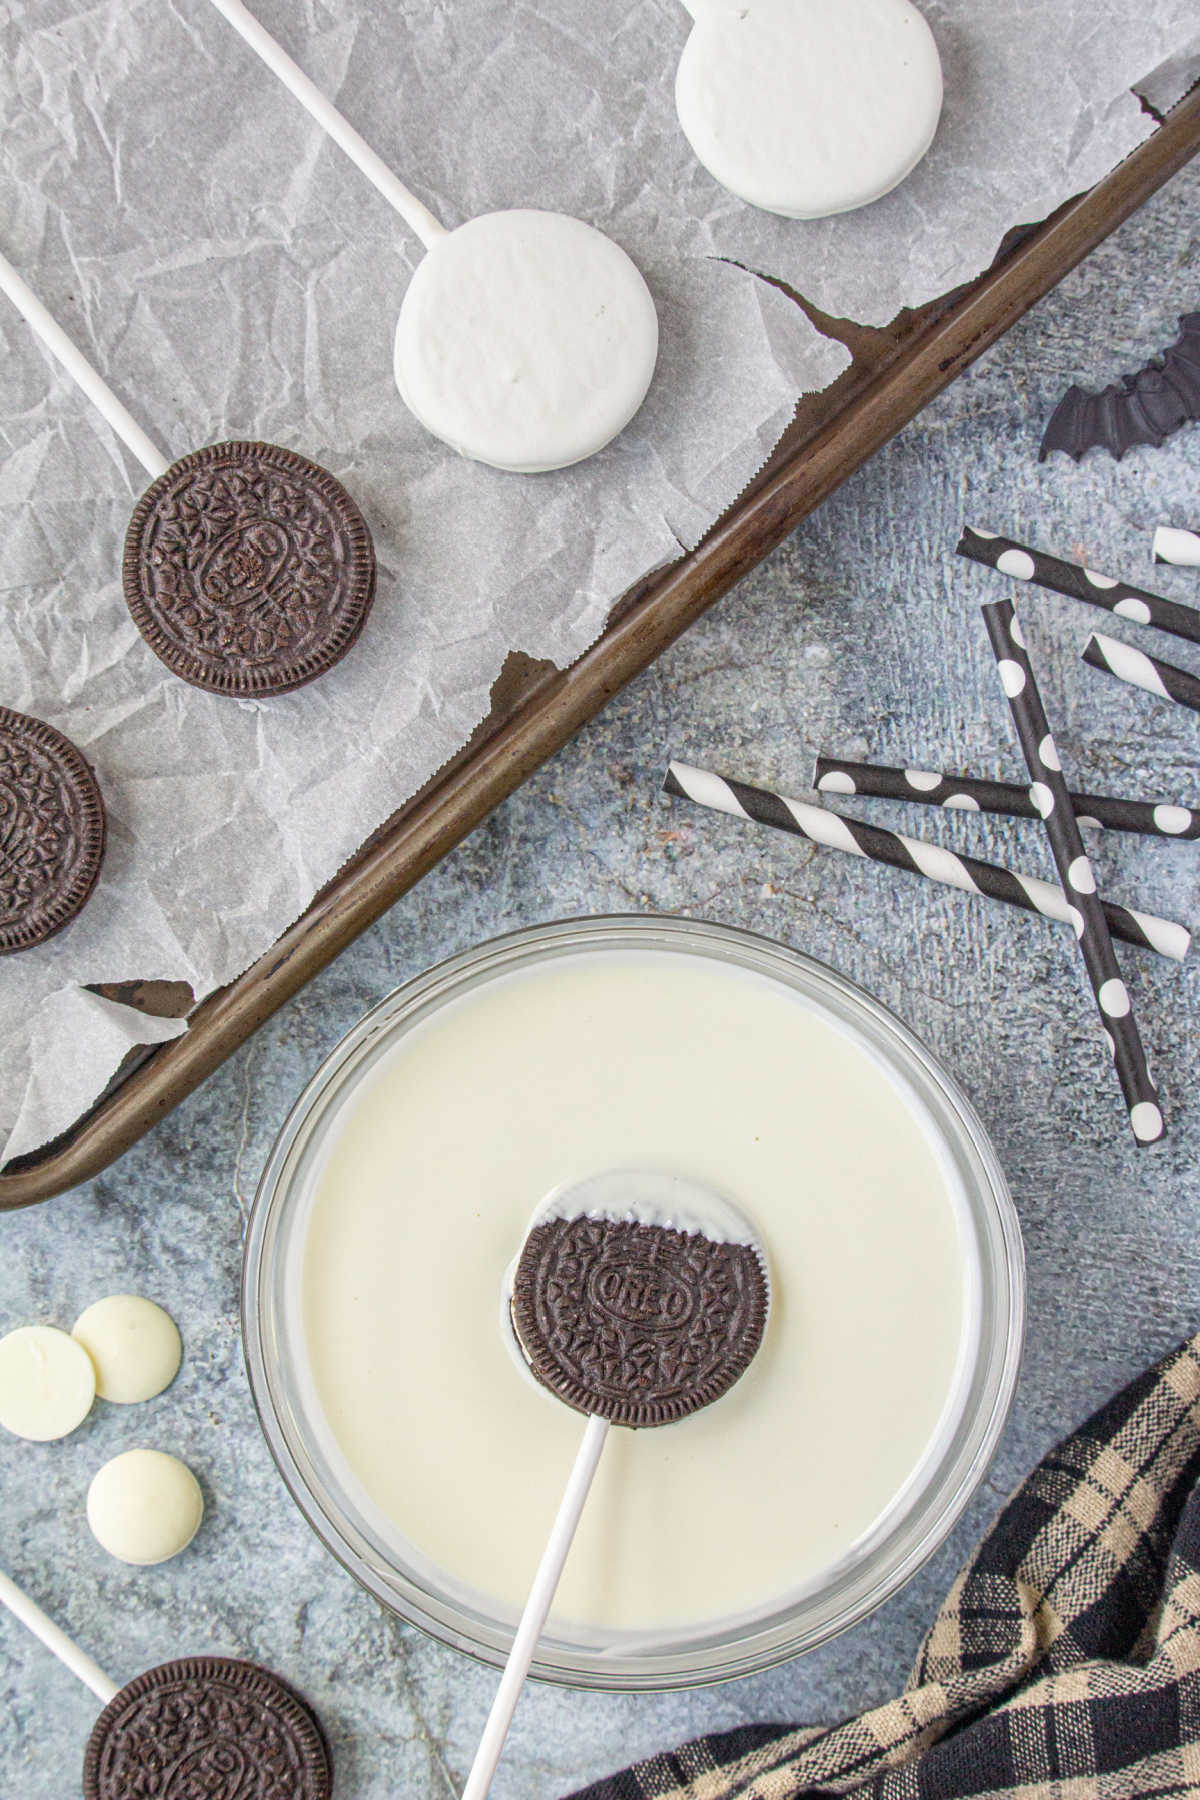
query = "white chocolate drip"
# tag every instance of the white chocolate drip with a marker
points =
(649, 1198)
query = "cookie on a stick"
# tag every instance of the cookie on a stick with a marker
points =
(248, 569)
(52, 831)
(226, 1726)
(804, 108)
(637, 1298)
(207, 1724)
(526, 339)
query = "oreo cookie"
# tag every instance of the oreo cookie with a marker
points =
(207, 1726)
(248, 569)
(639, 1323)
(51, 831)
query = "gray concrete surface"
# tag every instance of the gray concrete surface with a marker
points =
(861, 634)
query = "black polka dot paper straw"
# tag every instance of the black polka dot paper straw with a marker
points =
(1174, 545)
(1053, 801)
(720, 793)
(1008, 557)
(1142, 671)
(970, 793)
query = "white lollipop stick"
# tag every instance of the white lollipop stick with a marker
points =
(416, 216)
(537, 1609)
(593, 1224)
(47, 328)
(56, 1640)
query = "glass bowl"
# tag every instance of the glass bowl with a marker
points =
(909, 1531)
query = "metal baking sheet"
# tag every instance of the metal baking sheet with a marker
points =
(536, 708)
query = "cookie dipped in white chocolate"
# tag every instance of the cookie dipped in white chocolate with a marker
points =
(639, 1296)
(809, 107)
(526, 339)
(643, 1197)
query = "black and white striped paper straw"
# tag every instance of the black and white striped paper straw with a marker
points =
(1142, 671)
(1023, 564)
(721, 793)
(1174, 545)
(970, 793)
(1053, 801)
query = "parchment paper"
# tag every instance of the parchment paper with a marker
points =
(233, 275)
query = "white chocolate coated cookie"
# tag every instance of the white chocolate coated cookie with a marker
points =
(526, 340)
(144, 1506)
(133, 1344)
(809, 107)
(47, 1383)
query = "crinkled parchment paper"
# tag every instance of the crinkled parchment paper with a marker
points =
(233, 275)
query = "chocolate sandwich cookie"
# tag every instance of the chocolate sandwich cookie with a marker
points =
(51, 831)
(207, 1726)
(640, 1324)
(248, 569)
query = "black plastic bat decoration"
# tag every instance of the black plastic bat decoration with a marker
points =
(1139, 409)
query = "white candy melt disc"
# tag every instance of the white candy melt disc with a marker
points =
(526, 340)
(133, 1344)
(809, 107)
(144, 1506)
(47, 1383)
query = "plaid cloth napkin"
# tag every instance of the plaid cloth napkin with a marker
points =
(1064, 1663)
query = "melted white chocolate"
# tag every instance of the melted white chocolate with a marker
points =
(646, 1060)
